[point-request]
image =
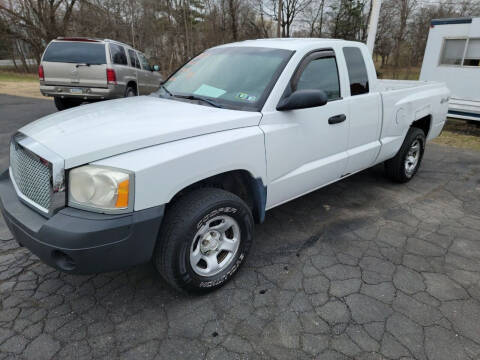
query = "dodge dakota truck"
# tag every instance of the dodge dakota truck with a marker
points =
(179, 177)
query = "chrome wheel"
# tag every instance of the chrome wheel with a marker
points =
(413, 157)
(215, 245)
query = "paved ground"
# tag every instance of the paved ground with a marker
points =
(363, 269)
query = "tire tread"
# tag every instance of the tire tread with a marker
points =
(177, 218)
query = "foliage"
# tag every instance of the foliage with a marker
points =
(172, 31)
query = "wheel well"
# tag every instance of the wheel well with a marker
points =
(132, 84)
(238, 182)
(423, 124)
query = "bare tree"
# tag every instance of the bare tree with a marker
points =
(36, 22)
(404, 10)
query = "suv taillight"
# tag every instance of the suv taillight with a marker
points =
(41, 74)
(111, 76)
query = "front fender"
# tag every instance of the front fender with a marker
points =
(162, 171)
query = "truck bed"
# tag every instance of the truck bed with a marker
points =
(405, 101)
(390, 84)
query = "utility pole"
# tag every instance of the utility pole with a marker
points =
(373, 24)
(279, 23)
(133, 26)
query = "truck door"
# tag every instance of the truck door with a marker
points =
(366, 112)
(146, 76)
(135, 63)
(307, 148)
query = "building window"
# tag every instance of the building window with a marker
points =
(453, 50)
(472, 56)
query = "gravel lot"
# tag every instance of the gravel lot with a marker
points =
(363, 269)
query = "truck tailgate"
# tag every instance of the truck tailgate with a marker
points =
(75, 63)
(68, 74)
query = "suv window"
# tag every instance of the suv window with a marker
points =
(144, 61)
(76, 52)
(117, 52)
(321, 74)
(133, 59)
(357, 71)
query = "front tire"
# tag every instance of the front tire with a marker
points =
(204, 239)
(403, 167)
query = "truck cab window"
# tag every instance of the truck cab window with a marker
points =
(321, 74)
(117, 53)
(472, 57)
(453, 50)
(357, 71)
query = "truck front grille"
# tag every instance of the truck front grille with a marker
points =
(32, 175)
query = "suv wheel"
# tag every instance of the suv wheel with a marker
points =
(64, 104)
(130, 92)
(204, 239)
(403, 167)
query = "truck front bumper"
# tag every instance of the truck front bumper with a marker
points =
(81, 242)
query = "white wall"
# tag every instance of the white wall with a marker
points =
(464, 82)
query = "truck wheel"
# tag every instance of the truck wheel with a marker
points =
(130, 92)
(204, 239)
(405, 164)
(64, 104)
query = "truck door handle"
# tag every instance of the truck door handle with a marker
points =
(337, 119)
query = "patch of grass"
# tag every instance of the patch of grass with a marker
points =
(11, 76)
(460, 134)
(390, 72)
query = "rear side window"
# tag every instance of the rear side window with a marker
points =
(75, 52)
(133, 59)
(357, 71)
(453, 50)
(321, 74)
(117, 52)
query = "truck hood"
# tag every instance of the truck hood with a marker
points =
(97, 131)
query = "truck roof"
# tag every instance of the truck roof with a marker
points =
(291, 43)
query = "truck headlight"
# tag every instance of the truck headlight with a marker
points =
(100, 188)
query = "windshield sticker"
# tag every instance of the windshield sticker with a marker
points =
(210, 91)
(245, 96)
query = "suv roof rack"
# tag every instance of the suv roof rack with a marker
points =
(88, 39)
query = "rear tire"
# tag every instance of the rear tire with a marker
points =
(204, 239)
(403, 167)
(64, 104)
(131, 91)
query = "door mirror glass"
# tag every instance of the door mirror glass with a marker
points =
(156, 68)
(303, 99)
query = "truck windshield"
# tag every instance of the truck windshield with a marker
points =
(75, 52)
(232, 77)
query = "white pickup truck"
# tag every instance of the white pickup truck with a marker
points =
(181, 176)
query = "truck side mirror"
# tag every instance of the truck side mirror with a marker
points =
(303, 99)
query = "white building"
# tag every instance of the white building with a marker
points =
(453, 56)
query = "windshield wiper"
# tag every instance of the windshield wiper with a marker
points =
(83, 64)
(166, 90)
(199, 98)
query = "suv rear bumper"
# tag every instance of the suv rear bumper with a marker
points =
(88, 93)
(81, 242)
